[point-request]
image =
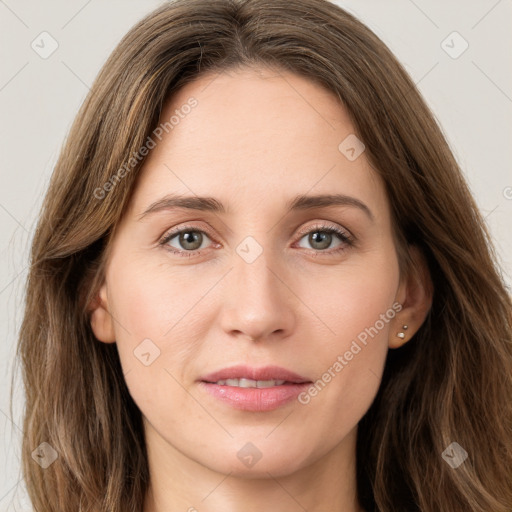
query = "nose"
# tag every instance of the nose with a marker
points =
(259, 302)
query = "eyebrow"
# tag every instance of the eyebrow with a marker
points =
(298, 203)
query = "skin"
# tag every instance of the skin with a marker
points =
(256, 139)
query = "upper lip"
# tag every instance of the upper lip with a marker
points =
(247, 372)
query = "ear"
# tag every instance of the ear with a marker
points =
(101, 320)
(415, 294)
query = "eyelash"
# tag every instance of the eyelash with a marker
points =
(347, 240)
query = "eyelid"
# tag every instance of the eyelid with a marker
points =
(324, 225)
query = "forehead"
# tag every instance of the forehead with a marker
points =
(254, 135)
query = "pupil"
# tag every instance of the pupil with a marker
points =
(189, 237)
(321, 237)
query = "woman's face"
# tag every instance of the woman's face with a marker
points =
(256, 280)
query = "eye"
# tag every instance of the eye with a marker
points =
(321, 237)
(189, 241)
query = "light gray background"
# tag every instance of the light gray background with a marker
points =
(471, 97)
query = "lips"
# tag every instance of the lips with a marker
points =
(254, 389)
(266, 373)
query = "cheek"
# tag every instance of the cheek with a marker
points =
(152, 299)
(357, 308)
(155, 336)
(352, 298)
(154, 313)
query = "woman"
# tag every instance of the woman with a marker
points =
(259, 281)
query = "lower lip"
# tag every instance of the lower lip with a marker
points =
(255, 399)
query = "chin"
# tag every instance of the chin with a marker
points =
(250, 462)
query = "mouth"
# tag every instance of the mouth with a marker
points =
(250, 383)
(254, 389)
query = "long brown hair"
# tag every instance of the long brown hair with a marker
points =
(451, 383)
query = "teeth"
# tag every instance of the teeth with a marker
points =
(249, 383)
